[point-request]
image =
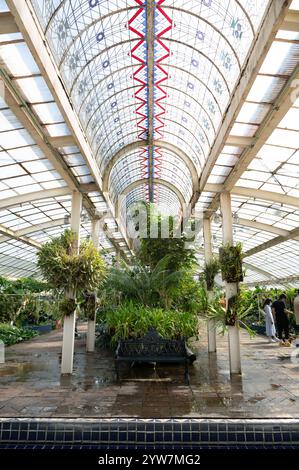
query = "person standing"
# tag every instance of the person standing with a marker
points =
(270, 326)
(282, 321)
(296, 312)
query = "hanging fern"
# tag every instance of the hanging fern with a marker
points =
(211, 269)
(230, 258)
(68, 271)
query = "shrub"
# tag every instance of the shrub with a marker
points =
(11, 334)
(65, 270)
(131, 320)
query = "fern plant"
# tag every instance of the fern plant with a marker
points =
(230, 258)
(211, 269)
(68, 271)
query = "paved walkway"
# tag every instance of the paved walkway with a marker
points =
(31, 385)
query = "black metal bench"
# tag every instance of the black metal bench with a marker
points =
(153, 348)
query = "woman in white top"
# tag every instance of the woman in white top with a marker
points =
(270, 326)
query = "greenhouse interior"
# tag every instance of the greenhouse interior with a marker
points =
(149, 224)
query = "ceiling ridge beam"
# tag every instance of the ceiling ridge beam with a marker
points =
(150, 44)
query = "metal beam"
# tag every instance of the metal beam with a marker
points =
(7, 23)
(262, 227)
(25, 18)
(35, 196)
(280, 107)
(150, 38)
(248, 265)
(35, 228)
(14, 235)
(291, 21)
(275, 281)
(275, 241)
(239, 141)
(258, 270)
(272, 21)
(156, 143)
(62, 141)
(255, 194)
(25, 115)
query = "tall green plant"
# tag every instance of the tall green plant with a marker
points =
(172, 244)
(69, 271)
(148, 287)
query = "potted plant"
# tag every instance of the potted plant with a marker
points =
(230, 258)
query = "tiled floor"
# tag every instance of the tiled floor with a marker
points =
(31, 385)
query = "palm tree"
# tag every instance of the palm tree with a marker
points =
(151, 287)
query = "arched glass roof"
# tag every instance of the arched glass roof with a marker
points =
(161, 101)
(148, 71)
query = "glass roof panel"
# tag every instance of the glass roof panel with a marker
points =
(101, 51)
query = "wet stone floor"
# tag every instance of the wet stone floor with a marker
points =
(31, 384)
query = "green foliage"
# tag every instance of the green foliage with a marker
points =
(230, 258)
(154, 249)
(17, 298)
(67, 306)
(211, 307)
(131, 320)
(89, 305)
(186, 296)
(211, 269)
(172, 244)
(11, 334)
(65, 270)
(150, 287)
(236, 310)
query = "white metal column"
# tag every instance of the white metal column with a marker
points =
(91, 327)
(231, 288)
(211, 325)
(69, 321)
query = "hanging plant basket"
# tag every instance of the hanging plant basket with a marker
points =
(230, 258)
(231, 315)
(211, 269)
(89, 305)
(67, 307)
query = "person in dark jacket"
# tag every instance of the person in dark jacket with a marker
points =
(282, 320)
